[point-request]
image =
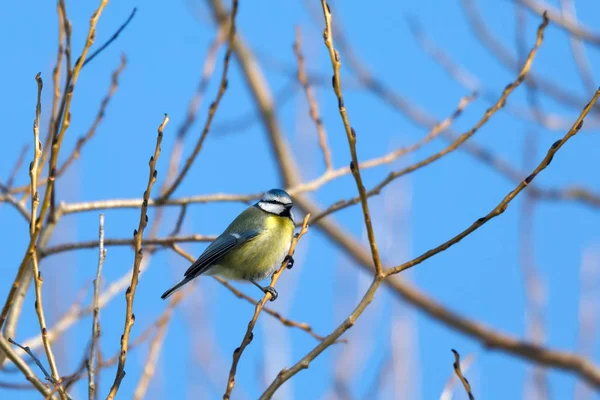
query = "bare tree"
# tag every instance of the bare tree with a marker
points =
(39, 203)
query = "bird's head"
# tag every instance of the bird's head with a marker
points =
(278, 202)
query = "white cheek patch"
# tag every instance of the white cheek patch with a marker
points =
(271, 208)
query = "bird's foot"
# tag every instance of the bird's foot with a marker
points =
(290, 261)
(271, 289)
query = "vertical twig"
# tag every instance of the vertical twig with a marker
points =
(64, 33)
(460, 375)
(137, 239)
(91, 362)
(35, 201)
(351, 135)
(448, 391)
(312, 101)
(589, 300)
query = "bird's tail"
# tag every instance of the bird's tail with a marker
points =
(174, 288)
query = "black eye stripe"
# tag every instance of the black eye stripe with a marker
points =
(275, 202)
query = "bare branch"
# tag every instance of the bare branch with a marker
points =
(501, 207)
(459, 373)
(24, 368)
(57, 141)
(577, 47)
(97, 121)
(350, 135)
(312, 101)
(35, 200)
(111, 39)
(460, 140)
(212, 109)
(564, 21)
(167, 241)
(564, 96)
(130, 293)
(91, 362)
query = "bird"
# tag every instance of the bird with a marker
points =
(251, 248)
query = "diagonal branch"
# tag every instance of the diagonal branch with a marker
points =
(567, 23)
(460, 375)
(501, 207)
(212, 109)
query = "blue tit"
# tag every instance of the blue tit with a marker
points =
(252, 246)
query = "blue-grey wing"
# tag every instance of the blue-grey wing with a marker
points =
(217, 249)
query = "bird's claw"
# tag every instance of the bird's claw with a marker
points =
(290, 261)
(271, 289)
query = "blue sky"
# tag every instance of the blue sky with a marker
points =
(480, 277)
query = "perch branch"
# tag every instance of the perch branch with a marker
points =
(237, 354)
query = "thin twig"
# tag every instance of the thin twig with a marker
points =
(460, 375)
(589, 299)
(212, 109)
(481, 32)
(501, 207)
(56, 144)
(112, 38)
(97, 121)
(23, 367)
(237, 354)
(35, 200)
(167, 241)
(577, 47)
(312, 101)
(76, 312)
(56, 384)
(460, 140)
(193, 106)
(350, 135)
(465, 364)
(466, 79)
(564, 21)
(536, 381)
(64, 36)
(130, 293)
(91, 362)
(12, 200)
(15, 169)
